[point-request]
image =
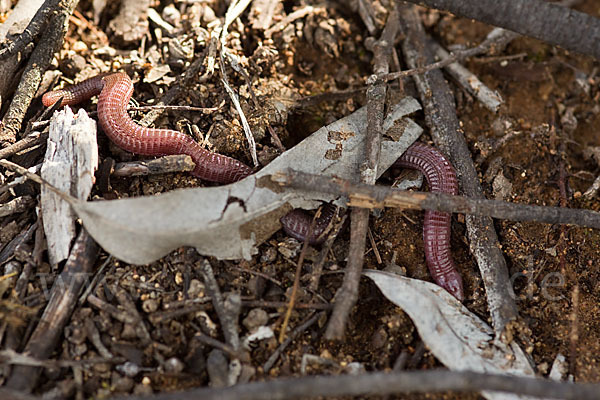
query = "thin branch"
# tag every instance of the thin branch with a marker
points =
(368, 196)
(16, 205)
(347, 294)
(290, 338)
(469, 81)
(204, 110)
(236, 102)
(12, 357)
(317, 269)
(228, 325)
(296, 285)
(484, 47)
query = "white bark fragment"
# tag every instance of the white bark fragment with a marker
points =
(69, 164)
(469, 81)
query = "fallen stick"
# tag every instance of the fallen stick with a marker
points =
(367, 196)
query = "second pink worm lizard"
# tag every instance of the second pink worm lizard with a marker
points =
(441, 178)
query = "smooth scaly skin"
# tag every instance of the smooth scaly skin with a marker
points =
(297, 222)
(441, 178)
(115, 90)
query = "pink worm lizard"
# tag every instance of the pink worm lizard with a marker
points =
(115, 90)
(441, 177)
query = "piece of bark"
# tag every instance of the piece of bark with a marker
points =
(440, 116)
(70, 161)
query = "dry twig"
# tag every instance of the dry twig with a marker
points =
(347, 294)
(161, 165)
(368, 196)
(62, 302)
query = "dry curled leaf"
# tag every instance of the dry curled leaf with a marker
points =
(457, 338)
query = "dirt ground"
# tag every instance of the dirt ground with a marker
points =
(550, 115)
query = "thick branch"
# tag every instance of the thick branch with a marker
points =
(39, 21)
(440, 116)
(385, 384)
(63, 300)
(551, 23)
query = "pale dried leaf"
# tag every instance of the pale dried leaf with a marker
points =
(229, 221)
(457, 338)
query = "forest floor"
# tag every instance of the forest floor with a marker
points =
(541, 147)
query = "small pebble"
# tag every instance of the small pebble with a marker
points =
(174, 365)
(268, 256)
(122, 384)
(196, 289)
(128, 369)
(256, 286)
(150, 305)
(289, 248)
(379, 339)
(256, 317)
(128, 332)
(79, 46)
(143, 389)
(72, 65)
(178, 278)
(171, 14)
(217, 368)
